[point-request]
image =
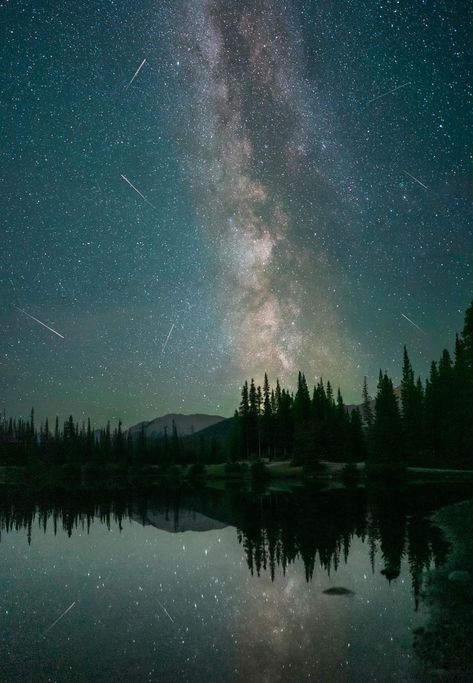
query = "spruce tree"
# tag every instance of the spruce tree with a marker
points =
(253, 418)
(341, 431)
(304, 435)
(366, 410)
(386, 441)
(447, 396)
(244, 414)
(285, 424)
(410, 417)
(432, 415)
(320, 410)
(467, 338)
(357, 445)
(267, 419)
(463, 371)
(175, 446)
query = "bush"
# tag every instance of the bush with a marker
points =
(196, 470)
(236, 469)
(385, 471)
(350, 471)
(259, 471)
(172, 471)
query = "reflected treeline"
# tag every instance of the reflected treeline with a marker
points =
(278, 530)
(274, 529)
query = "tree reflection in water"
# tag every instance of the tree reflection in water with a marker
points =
(274, 529)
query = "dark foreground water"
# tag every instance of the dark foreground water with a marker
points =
(216, 586)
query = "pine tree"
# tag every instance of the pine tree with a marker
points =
(366, 410)
(410, 409)
(244, 414)
(118, 445)
(267, 419)
(329, 394)
(259, 404)
(433, 411)
(447, 396)
(340, 430)
(106, 443)
(320, 411)
(253, 419)
(467, 338)
(277, 395)
(45, 441)
(463, 373)
(357, 445)
(302, 404)
(386, 442)
(285, 424)
(175, 444)
(88, 442)
(304, 435)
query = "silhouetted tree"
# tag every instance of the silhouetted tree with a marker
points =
(412, 410)
(267, 426)
(244, 421)
(386, 442)
(304, 441)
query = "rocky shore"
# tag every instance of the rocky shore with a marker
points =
(444, 646)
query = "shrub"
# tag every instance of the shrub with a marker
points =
(259, 471)
(196, 470)
(236, 469)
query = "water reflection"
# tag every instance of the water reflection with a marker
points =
(262, 586)
(274, 529)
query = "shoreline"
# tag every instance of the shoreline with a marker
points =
(444, 645)
(276, 473)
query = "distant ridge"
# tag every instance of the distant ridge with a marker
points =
(351, 406)
(219, 432)
(210, 426)
(185, 425)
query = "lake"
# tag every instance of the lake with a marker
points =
(217, 585)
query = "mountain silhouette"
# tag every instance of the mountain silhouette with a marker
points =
(185, 425)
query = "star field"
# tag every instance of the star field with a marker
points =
(279, 186)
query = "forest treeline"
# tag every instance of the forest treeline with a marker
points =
(420, 424)
(423, 424)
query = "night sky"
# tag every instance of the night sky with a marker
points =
(282, 186)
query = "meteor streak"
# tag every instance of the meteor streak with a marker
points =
(165, 610)
(136, 190)
(135, 74)
(167, 338)
(60, 617)
(388, 92)
(39, 321)
(416, 179)
(413, 323)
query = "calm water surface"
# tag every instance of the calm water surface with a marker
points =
(215, 586)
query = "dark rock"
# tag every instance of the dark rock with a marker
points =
(338, 590)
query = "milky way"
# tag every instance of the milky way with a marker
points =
(252, 143)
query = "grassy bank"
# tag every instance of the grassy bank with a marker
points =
(277, 472)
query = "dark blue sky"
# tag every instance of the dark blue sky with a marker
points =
(307, 171)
